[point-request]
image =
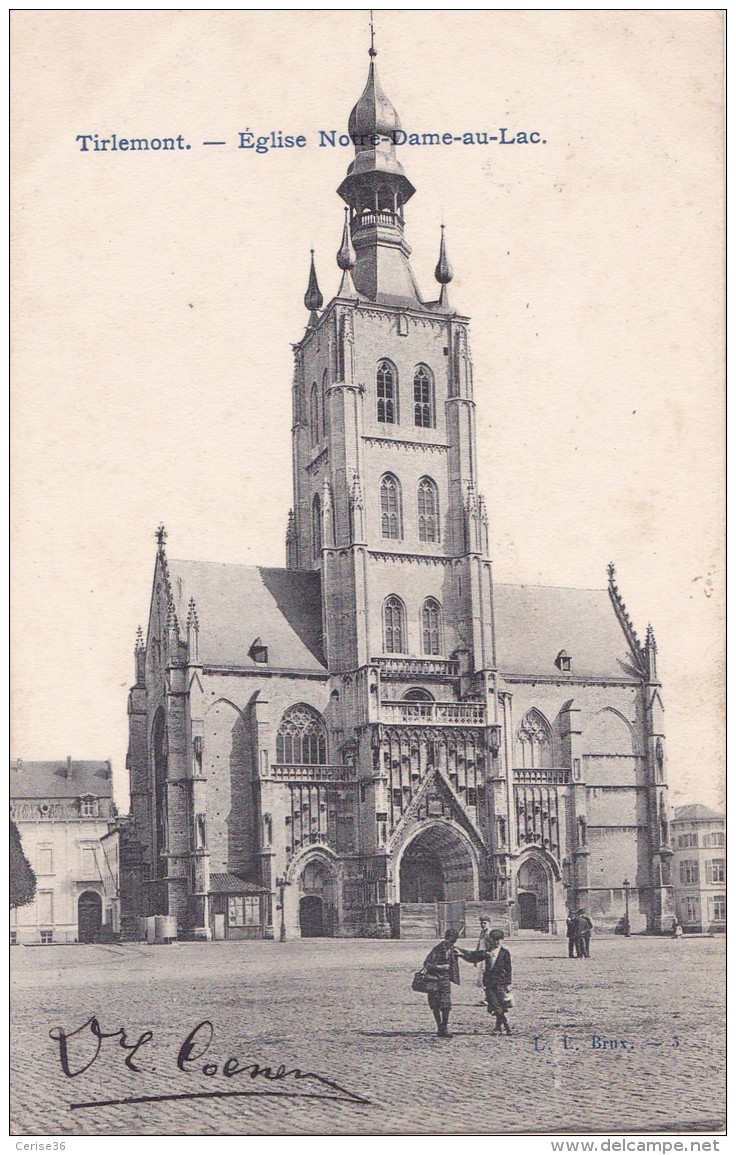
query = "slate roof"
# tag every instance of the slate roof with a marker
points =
(231, 884)
(49, 779)
(533, 623)
(238, 603)
(696, 812)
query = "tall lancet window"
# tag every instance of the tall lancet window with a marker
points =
(423, 399)
(394, 631)
(387, 409)
(316, 527)
(431, 627)
(390, 507)
(428, 510)
(325, 387)
(314, 413)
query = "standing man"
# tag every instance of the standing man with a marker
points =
(585, 929)
(483, 945)
(572, 935)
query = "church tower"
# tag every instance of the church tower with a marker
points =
(386, 506)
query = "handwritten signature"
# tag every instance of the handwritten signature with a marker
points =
(90, 1037)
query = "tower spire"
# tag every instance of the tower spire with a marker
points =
(444, 271)
(376, 190)
(313, 299)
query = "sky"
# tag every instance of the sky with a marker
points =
(157, 296)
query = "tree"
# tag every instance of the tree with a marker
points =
(22, 878)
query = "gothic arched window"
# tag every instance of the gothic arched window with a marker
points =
(428, 510)
(535, 739)
(316, 526)
(394, 632)
(390, 507)
(314, 413)
(423, 397)
(431, 627)
(301, 739)
(386, 406)
(418, 695)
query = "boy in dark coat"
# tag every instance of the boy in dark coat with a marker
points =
(496, 978)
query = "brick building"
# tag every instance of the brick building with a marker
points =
(699, 868)
(378, 732)
(62, 811)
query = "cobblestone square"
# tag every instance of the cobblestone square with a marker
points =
(343, 1009)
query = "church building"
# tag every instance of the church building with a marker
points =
(378, 739)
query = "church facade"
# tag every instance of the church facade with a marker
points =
(378, 739)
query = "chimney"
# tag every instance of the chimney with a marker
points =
(69, 771)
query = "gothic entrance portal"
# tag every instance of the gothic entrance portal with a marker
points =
(89, 914)
(437, 866)
(533, 885)
(311, 916)
(317, 900)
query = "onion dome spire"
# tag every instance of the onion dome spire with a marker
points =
(313, 299)
(444, 271)
(346, 261)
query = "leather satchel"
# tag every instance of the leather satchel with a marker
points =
(425, 983)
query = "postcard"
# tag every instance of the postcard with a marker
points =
(367, 774)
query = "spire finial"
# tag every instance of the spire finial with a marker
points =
(312, 298)
(346, 253)
(372, 50)
(139, 643)
(611, 571)
(161, 536)
(444, 271)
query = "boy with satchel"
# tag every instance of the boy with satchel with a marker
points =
(441, 965)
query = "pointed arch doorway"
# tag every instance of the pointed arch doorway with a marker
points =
(533, 895)
(438, 865)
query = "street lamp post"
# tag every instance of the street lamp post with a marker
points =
(282, 884)
(627, 924)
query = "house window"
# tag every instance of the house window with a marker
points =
(45, 859)
(393, 626)
(14, 938)
(717, 838)
(692, 909)
(386, 407)
(428, 510)
(243, 911)
(717, 908)
(423, 400)
(431, 627)
(45, 906)
(314, 413)
(88, 863)
(301, 739)
(689, 872)
(316, 527)
(88, 808)
(47, 937)
(687, 840)
(390, 507)
(716, 870)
